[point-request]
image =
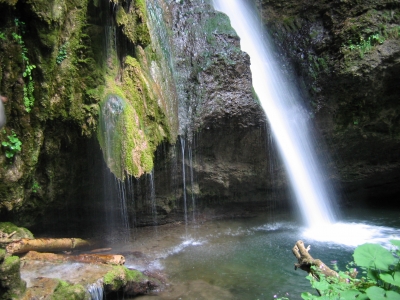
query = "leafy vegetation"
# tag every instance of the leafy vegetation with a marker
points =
(365, 44)
(2, 36)
(380, 276)
(62, 53)
(29, 99)
(13, 145)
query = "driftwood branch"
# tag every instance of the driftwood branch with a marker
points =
(6, 238)
(45, 245)
(305, 261)
(110, 259)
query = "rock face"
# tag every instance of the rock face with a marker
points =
(222, 153)
(58, 61)
(347, 55)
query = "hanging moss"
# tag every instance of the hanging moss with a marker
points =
(140, 127)
(128, 23)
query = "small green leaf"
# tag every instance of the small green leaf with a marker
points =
(392, 279)
(373, 256)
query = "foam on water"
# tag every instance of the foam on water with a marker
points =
(352, 234)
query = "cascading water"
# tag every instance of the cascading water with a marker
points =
(287, 118)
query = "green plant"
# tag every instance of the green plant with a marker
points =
(35, 186)
(365, 44)
(28, 89)
(2, 36)
(380, 276)
(13, 145)
(62, 53)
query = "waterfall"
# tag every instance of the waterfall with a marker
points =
(96, 290)
(287, 118)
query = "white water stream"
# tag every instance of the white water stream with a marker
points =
(287, 118)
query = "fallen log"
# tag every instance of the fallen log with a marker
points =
(45, 245)
(305, 261)
(110, 259)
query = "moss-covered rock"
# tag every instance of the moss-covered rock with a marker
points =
(12, 286)
(132, 20)
(65, 290)
(131, 282)
(20, 232)
(130, 134)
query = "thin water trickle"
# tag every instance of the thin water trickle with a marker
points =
(286, 116)
(96, 290)
(184, 178)
(153, 198)
(192, 184)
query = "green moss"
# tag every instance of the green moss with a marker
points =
(218, 24)
(8, 228)
(128, 23)
(141, 10)
(67, 291)
(134, 275)
(143, 35)
(134, 25)
(120, 276)
(146, 160)
(12, 287)
(2, 255)
(141, 126)
(10, 264)
(115, 279)
(9, 2)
